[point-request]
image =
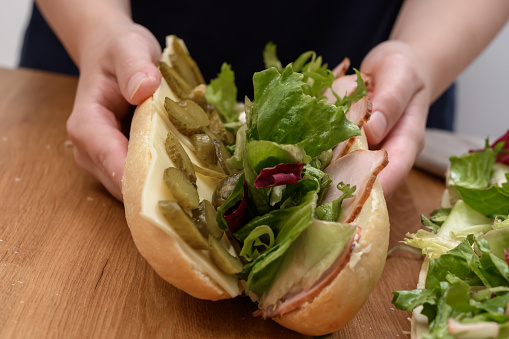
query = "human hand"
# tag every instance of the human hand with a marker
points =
(117, 69)
(400, 96)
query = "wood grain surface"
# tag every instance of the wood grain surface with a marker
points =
(69, 267)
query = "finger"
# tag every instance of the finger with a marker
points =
(134, 61)
(394, 84)
(100, 148)
(404, 143)
(94, 129)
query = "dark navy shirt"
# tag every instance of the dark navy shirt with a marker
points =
(236, 32)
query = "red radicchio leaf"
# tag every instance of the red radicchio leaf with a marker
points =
(506, 256)
(281, 174)
(235, 215)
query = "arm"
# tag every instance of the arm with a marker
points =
(448, 35)
(432, 42)
(116, 59)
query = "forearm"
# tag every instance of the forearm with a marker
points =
(75, 21)
(448, 35)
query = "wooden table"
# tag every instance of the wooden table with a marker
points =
(69, 267)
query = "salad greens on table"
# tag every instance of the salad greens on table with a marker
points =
(279, 154)
(467, 281)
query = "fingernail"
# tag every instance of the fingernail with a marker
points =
(377, 125)
(135, 83)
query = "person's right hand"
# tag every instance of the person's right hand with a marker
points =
(401, 98)
(117, 69)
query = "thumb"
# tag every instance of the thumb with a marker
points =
(135, 66)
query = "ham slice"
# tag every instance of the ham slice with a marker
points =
(359, 114)
(292, 301)
(345, 85)
(341, 69)
(359, 168)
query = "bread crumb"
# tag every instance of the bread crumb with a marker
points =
(68, 143)
(90, 198)
(17, 179)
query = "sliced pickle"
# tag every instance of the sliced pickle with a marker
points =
(198, 96)
(187, 116)
(178, 86)
(205, 148)
(205, 219)
(195, 112)
(222, 156)
(222, 258)
(183, 224)
(209, 172)
(181, 188)
(216, 126)
(224, 189)
(185, 64)
(179, 157)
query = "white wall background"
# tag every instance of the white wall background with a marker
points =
(483, 92)
(483, 88)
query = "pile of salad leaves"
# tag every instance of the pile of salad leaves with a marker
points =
(467, 243)
(288, 135)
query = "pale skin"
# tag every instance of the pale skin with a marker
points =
(432, 42)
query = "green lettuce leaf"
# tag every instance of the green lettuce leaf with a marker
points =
(310, 255)
(270, 58)
(471, 178)
(360, 92)
(490, 201)
(332, 211)
(287, 224)
(254, 244)
(222, 93)
(461, 217)
(317, 76)
(283, 113)
(473, 170)
(260, 154)
(430, 243)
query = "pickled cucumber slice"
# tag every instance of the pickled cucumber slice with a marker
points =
(222, 258)
(205, 219)
(224, 189)
(181, 188)
(187, 116)
(207, 172)
(198, 96)
(179, 157)
(185, 64)
(183, 224)
(222, 156)
(205, 148)
(216, 126)
(178, 86)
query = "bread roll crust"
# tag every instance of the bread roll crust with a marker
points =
(339, 302)
(161, 250)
